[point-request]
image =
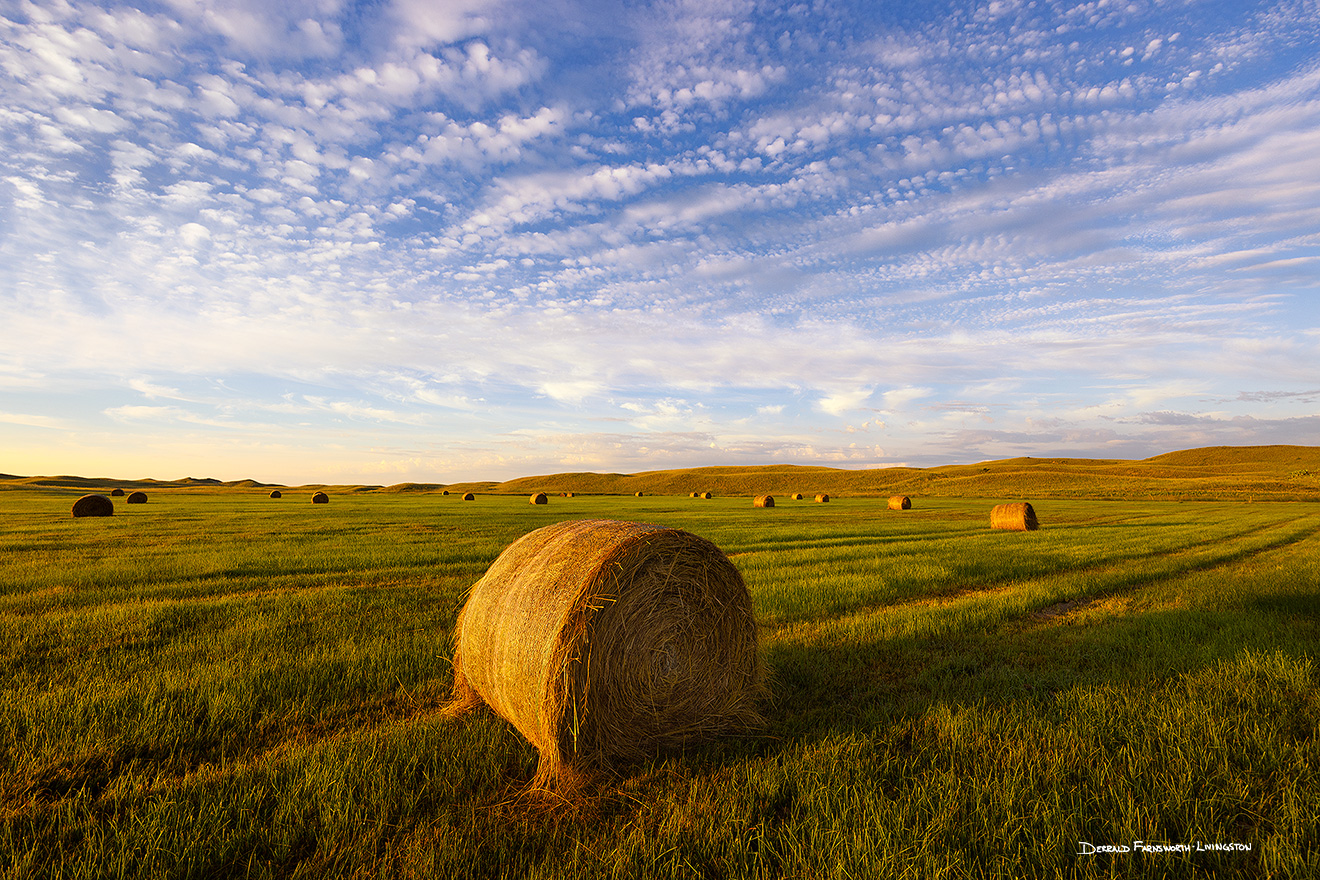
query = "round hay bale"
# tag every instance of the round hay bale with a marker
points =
(605, 641)
(822, 498)
(446, 491)
(568, 494)
(93, 505)
(320, 498)
(638, 494)
(539, 498)
(275, 493)
(136, 498)
(900, 502)
(705, 495)
(1018, 517)
(796, 496)
(763, 501)
(468, 496)
(116, 493)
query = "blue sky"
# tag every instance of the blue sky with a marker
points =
(336, 241)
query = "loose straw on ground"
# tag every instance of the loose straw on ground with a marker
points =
(603, 642)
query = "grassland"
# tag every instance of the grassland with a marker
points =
(221, 684)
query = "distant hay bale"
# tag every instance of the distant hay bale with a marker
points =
(468, 496)
(539, 498)
(900, 502)
(604, 642)
(638, 495)
(275, 493)
(93, 505)
(705, 495)
(822, 498)
(320, 498)
(117, 493)
(1018, 517)
(136, 498)
(763, 501)
(446, 492)
(796, 496)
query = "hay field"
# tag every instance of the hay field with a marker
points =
(221, 684)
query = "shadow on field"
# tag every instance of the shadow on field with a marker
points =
(818, 691)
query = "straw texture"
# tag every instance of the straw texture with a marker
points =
(1018, 517)
(763, 501)
(604, 641)
(900, 502)
(93, 505)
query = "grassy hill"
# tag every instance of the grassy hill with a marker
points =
(1223, 472)
(1261, 473)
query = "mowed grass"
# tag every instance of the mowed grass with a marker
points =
(220, 684)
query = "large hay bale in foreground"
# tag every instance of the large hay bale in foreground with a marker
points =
(900, 502)
(136, 498)
(539, 498)
(1018, 517)
(320, 498)
(822, 498)
(116, 493)
(93, 505)
(763, 501)
(605, 641)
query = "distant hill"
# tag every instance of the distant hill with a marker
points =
(1263, 473)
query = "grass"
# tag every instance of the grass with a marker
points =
(221, 684)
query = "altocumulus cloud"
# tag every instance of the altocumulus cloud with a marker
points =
(354, 240)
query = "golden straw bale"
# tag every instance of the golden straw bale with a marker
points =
(116, 493)
(93, 505)
(638, 494)
(796, 496)
(822, 498)
(539, 498)
(275, 493)
(763, 501)
(900, 502)
(468, 496)
(136, 498)
(320, 498)
(1018, 517)
(604, 642)
(705, 495)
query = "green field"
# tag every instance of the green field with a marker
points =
(217, 684)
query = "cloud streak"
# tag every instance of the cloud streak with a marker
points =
(658, 238)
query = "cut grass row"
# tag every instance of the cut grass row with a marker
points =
(213, 686)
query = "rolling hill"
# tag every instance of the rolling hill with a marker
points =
(1262, 473)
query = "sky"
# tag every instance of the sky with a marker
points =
(410, 240)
